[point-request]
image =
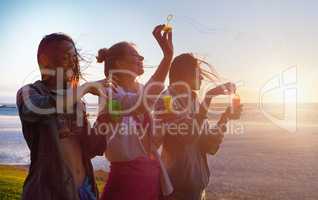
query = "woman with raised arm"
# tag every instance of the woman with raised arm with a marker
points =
(135, 171)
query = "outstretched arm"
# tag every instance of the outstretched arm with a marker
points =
(223, 89)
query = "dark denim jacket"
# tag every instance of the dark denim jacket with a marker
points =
(49, 178)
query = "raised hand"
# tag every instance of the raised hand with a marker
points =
(164, 40)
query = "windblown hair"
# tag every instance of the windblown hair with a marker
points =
(48, 42)
(188, 64)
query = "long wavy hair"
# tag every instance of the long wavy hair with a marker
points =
(46, 45)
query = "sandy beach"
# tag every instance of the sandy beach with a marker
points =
(266, 161)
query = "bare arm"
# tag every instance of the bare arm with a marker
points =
(223, 89)
(156, 83)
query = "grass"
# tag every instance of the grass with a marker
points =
(12, 178)
(11, 182)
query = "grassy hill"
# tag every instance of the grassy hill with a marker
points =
(12, 178)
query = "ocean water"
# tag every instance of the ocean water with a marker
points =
(13, 148)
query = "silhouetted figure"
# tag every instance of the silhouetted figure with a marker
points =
(58, 135)
(179, 128)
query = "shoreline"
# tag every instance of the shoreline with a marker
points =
(17, 166)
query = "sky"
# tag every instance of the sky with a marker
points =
(250, 42)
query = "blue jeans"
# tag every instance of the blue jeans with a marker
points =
(86, 191)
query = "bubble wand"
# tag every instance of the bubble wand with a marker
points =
(168, 26)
